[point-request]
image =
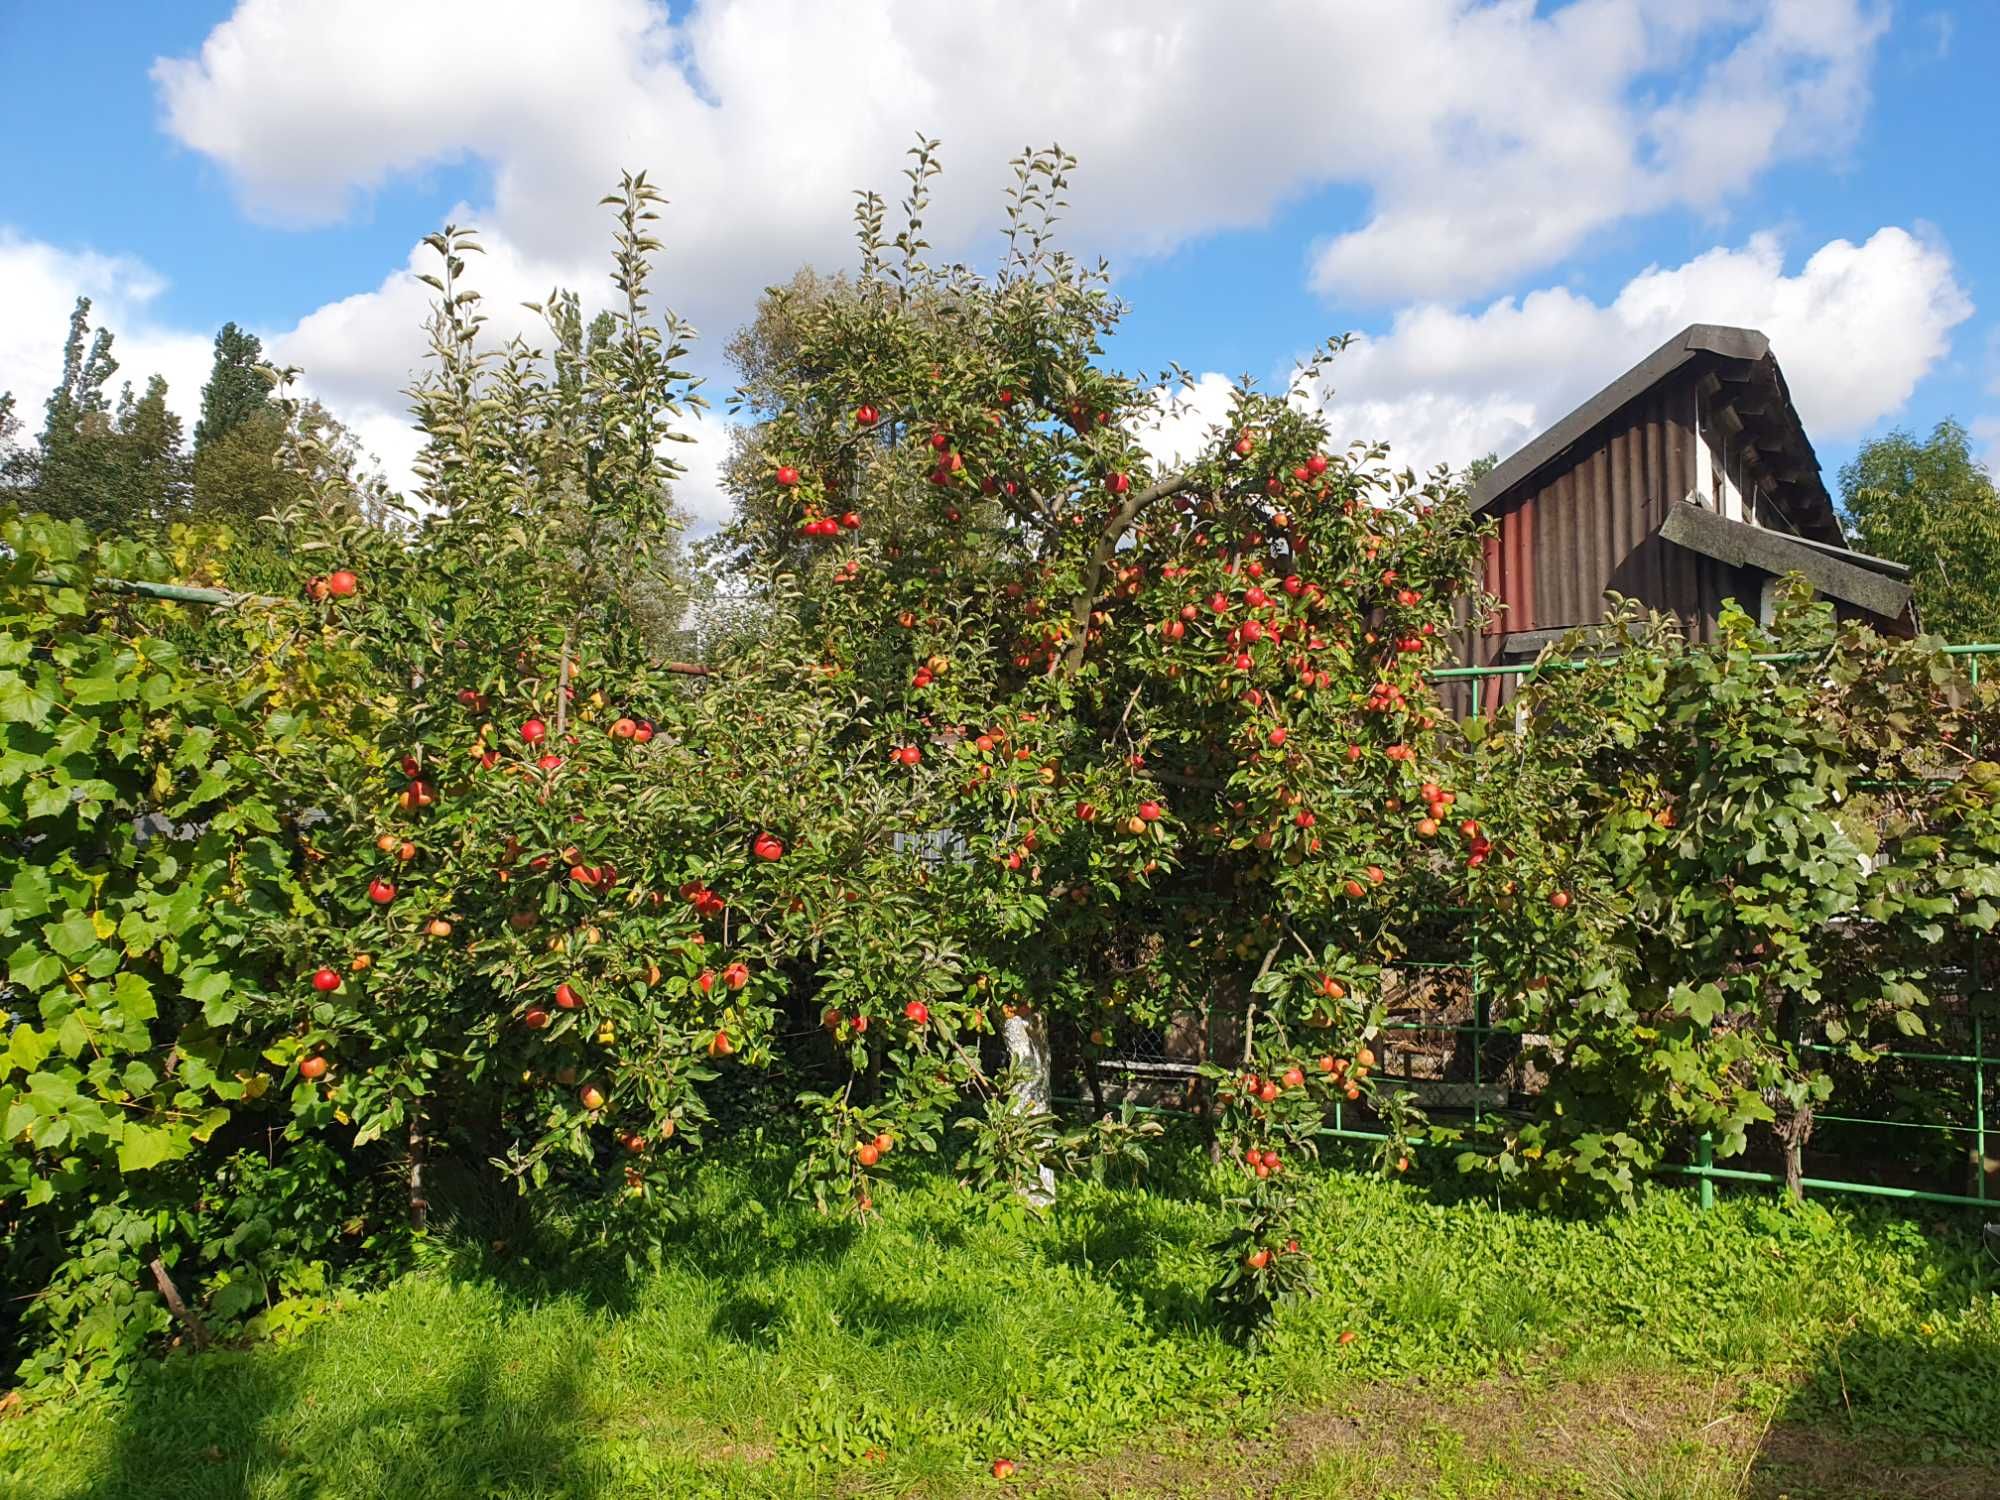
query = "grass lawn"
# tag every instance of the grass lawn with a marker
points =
(1751, 1350)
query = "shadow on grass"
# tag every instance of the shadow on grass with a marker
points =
(1123, 1238)
(279, 1423)
(486, 1232)
(1891, 1414)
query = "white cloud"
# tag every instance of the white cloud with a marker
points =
(1942, 27)
(1492, 138)
(1855, 329)
(699, 489)
(356, 355)
(39, 285)
(756, 116)
(1187, 415)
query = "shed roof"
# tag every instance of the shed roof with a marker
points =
(1870, 583)
(1748, 383)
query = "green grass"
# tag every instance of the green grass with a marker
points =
(774, 1353)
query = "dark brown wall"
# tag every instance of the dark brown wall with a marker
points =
(1588, 524)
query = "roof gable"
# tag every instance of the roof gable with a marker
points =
(1746, 385)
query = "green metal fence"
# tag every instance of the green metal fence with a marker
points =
(1960, 1058)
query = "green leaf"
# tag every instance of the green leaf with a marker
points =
(28, 1048)
(133, 996)
(45, 798)
(142, 1146)
(202, 985)
(33, 967)
(75, 935)
(20, 703)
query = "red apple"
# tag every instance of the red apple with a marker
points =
(342, 584)
(326, 979)
(312, 1066)
(381, 892)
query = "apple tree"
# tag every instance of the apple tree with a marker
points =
(1166, 723)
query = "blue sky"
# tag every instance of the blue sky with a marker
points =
(1511, 202)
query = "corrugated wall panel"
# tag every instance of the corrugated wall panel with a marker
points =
(1590, 524)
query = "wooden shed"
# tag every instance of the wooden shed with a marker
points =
(1686, 481)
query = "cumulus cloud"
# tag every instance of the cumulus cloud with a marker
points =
(1855, 328)
(1493, 139)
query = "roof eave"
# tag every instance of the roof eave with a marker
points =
(1720, 339)
(1852, 579)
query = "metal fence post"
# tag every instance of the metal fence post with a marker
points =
(1978, 1021)
(1478, 1031)
(1704, 1161)
(1978, 1101)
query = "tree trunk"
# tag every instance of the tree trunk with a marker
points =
(420, 1205)
(197, 1330)
(1795, 1132)
(1794, 1125)
(1027, 1038)
(1204, 1093)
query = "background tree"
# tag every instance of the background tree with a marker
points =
(116, 468)
(16, 463)
(1929, 503)
(151, 473)
(241, 476)
(240, 439)
(236, 390)
(68, 477)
